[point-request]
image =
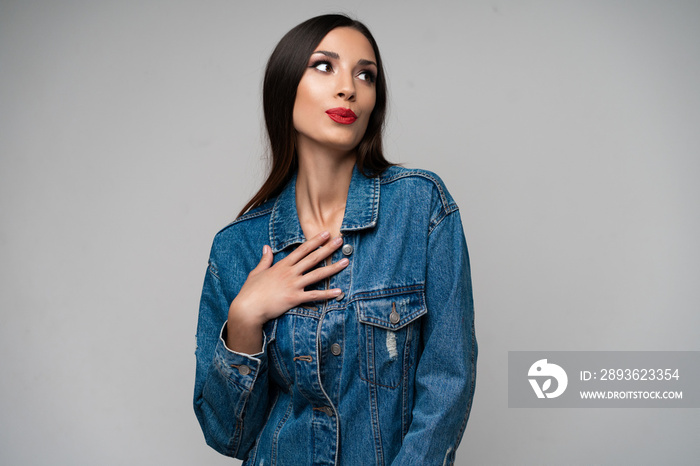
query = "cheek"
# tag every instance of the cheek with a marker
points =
(306, 102)
(369, 109)
(370, 101)
(301, 108)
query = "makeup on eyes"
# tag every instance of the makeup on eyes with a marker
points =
(371, 74)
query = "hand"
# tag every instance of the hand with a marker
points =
(271, 290)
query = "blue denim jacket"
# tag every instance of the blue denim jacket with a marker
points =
(385, 373)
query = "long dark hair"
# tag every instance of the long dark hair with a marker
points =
(285, 69)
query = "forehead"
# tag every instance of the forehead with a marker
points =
(348, 43)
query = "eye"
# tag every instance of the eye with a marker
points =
(322, 66)
(367, 75)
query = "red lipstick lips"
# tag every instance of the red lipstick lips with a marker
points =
(341, 115)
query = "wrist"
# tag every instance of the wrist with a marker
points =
(243, 316)
(243, 334)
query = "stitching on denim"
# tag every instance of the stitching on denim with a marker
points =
(214, 269)
(385, 293)
(350, 267)
(249, 215)
(300, 311)
(374, 416)
(407, 364)
(372, 378)
(305, 358)
(235, 441)
(406, 320)
(342, 359)
(370, 344)
(421, 173)
(320, 384)
(416, 312)
(374, 371)
(438, 222)
(237, 434)
(373, 216)
(447, 206)
(294, 347)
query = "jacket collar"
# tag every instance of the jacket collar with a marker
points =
(361, 210)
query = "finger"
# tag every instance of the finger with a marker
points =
(265, 260)
(320, 273)
(320, 295)
(307, 246)
(316, 256)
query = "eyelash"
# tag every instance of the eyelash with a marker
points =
(319, 63)
(370, 76)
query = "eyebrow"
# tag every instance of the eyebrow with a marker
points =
(335, 56)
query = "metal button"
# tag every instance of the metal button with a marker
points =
(347, 249)
(335, 349)
(394, 317)
(243, 370)
(340, 296)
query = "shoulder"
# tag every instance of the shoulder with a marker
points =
(249, 225)
(416, 183)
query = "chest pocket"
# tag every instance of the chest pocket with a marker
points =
(388, 337)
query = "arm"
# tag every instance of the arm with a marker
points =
(231, 382)
(446, 370)
(226, 392)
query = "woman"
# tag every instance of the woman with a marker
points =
(351, 340)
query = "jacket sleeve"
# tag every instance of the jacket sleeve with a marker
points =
(231, 389)
(446, 369)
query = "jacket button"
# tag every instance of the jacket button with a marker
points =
(347, 249)
(340, 296)
(394, 317)
(243, 370)
(335, 349)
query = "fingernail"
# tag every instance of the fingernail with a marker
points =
(344, 261)
(325, 235)
(338, 240)
(264, 249)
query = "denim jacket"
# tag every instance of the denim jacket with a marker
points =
(383, 374)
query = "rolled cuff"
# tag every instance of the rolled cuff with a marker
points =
(240, 368)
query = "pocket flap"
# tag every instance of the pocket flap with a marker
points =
(393, 311)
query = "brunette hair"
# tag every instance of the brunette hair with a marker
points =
(285, 69)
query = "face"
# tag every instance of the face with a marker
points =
(336, 94)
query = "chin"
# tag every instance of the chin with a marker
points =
(344, 147)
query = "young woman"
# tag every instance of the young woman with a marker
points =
(336, 324)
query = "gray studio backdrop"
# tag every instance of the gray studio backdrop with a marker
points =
(130, 132)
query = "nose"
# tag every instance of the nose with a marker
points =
(346, 87)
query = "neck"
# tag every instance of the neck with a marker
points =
(322, 190)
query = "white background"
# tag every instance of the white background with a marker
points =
(130, 132)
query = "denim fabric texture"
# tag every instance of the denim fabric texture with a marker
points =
(385, 373)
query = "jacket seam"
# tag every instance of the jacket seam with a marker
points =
(446, 204)
(385, 293)
(248, 216)
(438, 221)
(213, 269)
